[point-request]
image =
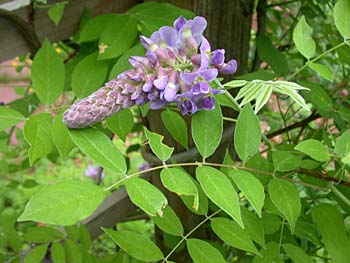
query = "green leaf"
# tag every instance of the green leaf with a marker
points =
(176, 126)
(135, 245)
(293, 94)
(341, 15)
(42, 234)
(169, 222)
(262, 97)
(123, 62)
(226, 99)
(146, 196)
(203, 252)
(121, 123)
(9, 117)
(323, 70)
(253, 226)
(72, 251)
(271, 55)
(284, 161)
(232, 234)
(271, 223)
(251, 188)
(270, 254)
(88, 75)
(342, 144)
(84, 237)
(235, 83)
(61, 138)
(220, 190)
(161, 150)
(315, 149)
(302, 37)
(247, 134)
(203, 200)
(95, 144)
(307, 231)
(332, 227)
(151, 16)
(297, 254)
(207, 130)
(93, 28)
(320, 99)
(48, 74)
(64, 203)
(57, 253)
(36, 254)
(181, 183)
(118, 37)
(55, 12)
(37, 132)
(286, 198)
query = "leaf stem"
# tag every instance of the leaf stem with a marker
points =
(190, 233)
(339, 194)
(319, 57)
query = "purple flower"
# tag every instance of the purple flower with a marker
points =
(178, 68)
(144, 166)
(93, 171)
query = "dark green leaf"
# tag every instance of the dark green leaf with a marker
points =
(219, 189)
(118, 37)
(135, 245)
(88, 75)
(207, 130)
(121, 123)
(203, 252)
(146, 196)
(315, 149)
(95, 144)
(94, 27)
(176, 126)
(270, 254)
(64, 203)
(153, 15)
(251, 188)
(37, 132)
(123, 62)
(232, 234)
(247, 133)
(48, 74)
(286, 198)
(271, 55)
(332, 227)
(203, 200)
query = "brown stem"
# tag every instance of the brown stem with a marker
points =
(314, 115)
(323, 177)
(261, 16)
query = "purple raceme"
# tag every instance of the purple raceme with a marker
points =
(178, 68)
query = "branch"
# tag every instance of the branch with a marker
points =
(314, 115)
(323, 177)
(261, 13)
(24, 28)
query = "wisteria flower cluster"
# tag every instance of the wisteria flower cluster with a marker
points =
(178, 68)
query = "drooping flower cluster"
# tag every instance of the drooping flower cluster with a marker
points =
(178, 67)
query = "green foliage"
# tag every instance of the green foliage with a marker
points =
(276, 191)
